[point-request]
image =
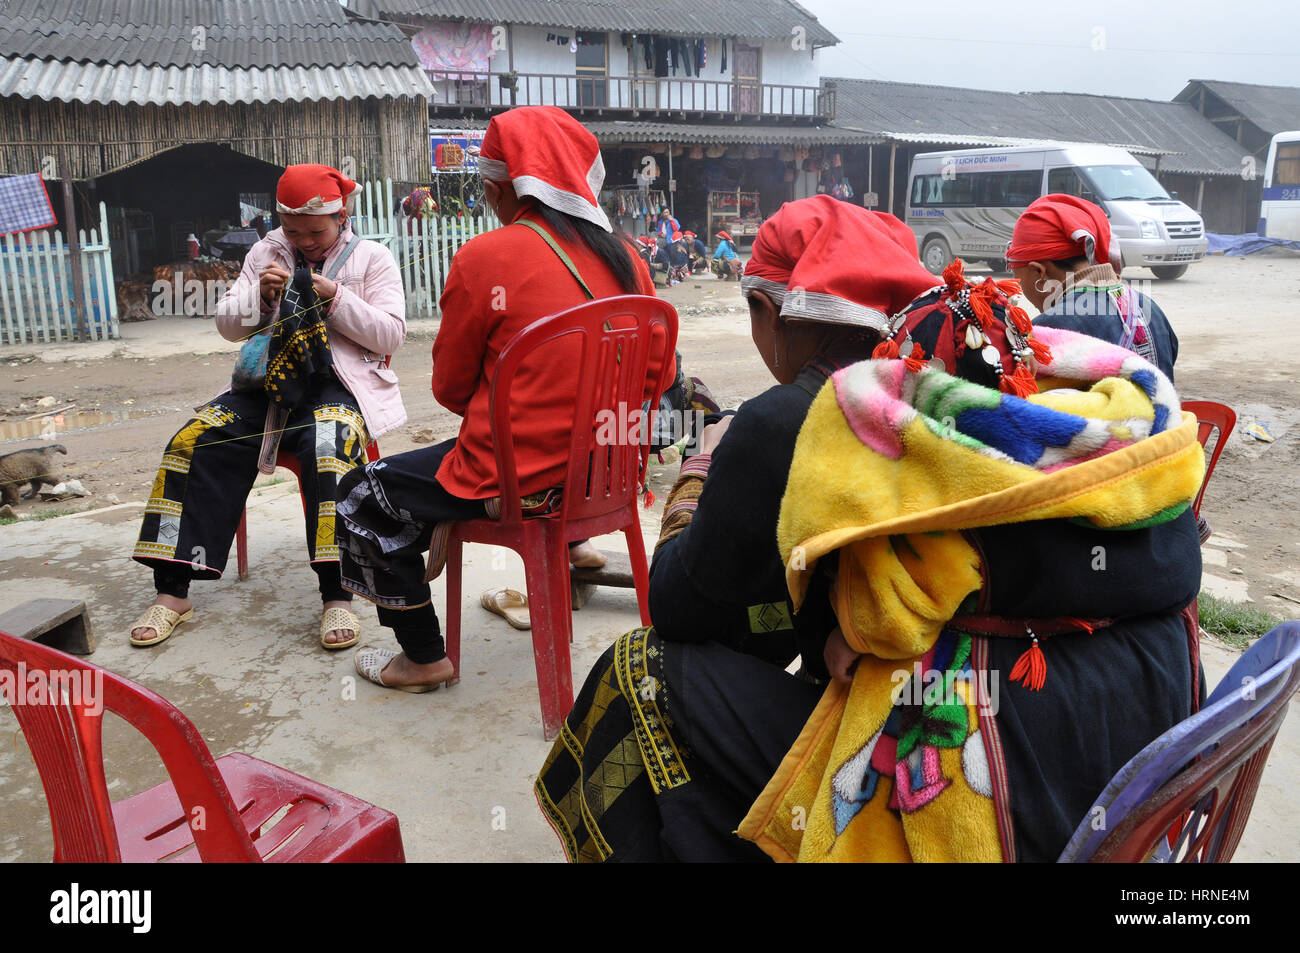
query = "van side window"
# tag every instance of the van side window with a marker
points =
(1006, 189)
(936, 190)
(1065, 182)
(1286, 167)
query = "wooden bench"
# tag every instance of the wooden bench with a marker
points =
(617, 572)
(63, 624)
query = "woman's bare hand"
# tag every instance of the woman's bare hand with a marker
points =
(712, 435)
(326, 289)
(272, 279)
(841, 659)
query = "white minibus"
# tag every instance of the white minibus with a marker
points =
(965, 203)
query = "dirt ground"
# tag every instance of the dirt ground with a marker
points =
(1235, 319)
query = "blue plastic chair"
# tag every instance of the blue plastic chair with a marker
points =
(1167, 803)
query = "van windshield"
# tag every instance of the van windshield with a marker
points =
(1118, 183)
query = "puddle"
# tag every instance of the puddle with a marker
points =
(51, 426)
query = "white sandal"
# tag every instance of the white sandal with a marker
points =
(339, 620)
(163, 621)
(370, 664)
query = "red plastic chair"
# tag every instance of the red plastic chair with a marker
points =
(600, 484)
(290, 462)
(1211, 417)
(233, 797)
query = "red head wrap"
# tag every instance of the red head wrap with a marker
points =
(1060, 227)
(313, 190)
(829, 261)
(547, 154)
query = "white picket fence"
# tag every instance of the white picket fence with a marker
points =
(36, 300)
(423, 247)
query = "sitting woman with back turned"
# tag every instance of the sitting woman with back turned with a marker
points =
(541, 174)
(1061, 252)
(994, 579)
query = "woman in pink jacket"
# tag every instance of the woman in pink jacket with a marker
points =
(210, 464)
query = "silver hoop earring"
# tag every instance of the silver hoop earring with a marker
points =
(1038, 286)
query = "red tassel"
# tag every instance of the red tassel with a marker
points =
(648, 499)
(886, 350)
(1031, 668)
(916, 361)
(1020, 318)
(1009, 286)
(1019, 384)
(954, 276)
(1042, 353)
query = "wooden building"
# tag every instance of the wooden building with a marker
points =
(181, 114)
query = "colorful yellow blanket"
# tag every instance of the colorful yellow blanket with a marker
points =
(890, 465)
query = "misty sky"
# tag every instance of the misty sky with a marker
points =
(1114, 47)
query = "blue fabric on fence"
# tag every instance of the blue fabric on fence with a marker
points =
(24, 204)
(1233, 245)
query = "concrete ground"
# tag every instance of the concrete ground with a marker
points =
(457, 765)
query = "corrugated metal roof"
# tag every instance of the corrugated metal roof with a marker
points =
(244, 34)
(908, 112)
(170, 85)
(215, 45)
(612, 132)
(753, 19)
(1273, 109)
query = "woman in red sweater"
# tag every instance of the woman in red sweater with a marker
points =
(542, 172)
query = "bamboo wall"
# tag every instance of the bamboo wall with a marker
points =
(384, 138)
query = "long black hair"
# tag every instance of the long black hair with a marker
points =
(614, 251)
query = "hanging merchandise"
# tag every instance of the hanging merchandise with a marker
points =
(677, 150)
(697, 152)
(715, 151)
(843, 190)
(835, 161)
(800, 153)
(788, 175)
(661, 55)
(750, 152)
(786, 154)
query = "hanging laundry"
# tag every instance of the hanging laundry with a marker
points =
(550, 38)
(672, 53)
(648, 47)
(688, 57)
(724, 57)
(661, 56)
(562, 40)
(703, 59)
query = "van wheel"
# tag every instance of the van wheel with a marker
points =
(1169, 272)
(935, 255)
(998, 266)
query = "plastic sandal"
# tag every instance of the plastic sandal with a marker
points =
(339, 619)
(510, 604)
(370, 664)
(163, 621)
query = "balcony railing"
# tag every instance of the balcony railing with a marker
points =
(637, 95)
